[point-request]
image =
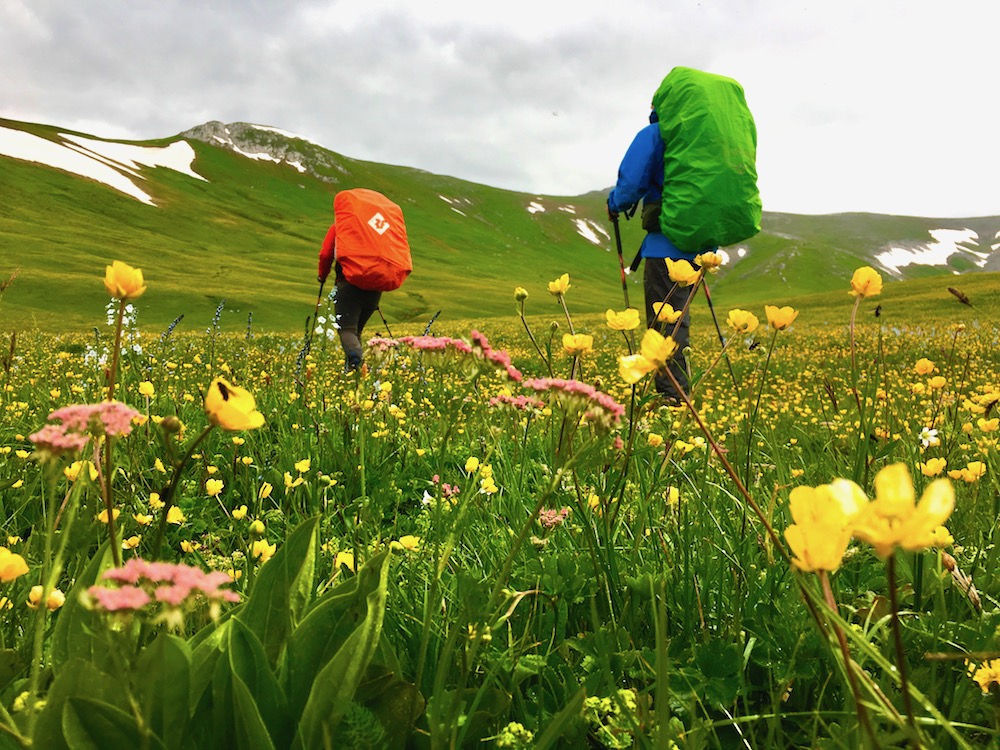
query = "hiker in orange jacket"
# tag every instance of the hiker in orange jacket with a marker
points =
(352, 306)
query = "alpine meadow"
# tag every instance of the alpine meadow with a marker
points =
(495, 533)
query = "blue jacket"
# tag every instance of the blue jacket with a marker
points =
(640, 177)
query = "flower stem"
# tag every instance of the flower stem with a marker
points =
(116, 353)
(167, 496)
(897, 636)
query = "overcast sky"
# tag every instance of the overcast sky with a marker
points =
(887, 106)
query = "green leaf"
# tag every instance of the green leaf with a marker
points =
(282, 590)
(73, 635)
(322, 633)
(162, 676)
(94, 725)
(76, 679)
(333, 689)
(204, 658)
(251, 730)
(252, 674)
(562, 721)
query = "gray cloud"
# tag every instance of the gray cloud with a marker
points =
(844, 98)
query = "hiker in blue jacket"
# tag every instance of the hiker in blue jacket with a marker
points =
(640, 177)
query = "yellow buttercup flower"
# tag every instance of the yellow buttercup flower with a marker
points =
(626, 320)
(262, 550)
(657, 348)
(577, 344)
(303, 466)
(231, 407)
(923, 366)
(520, 294)
(709, 261)
(175, 515)
(866, 282)
(122, 281)
(681, 272)
(344, 558)
(240, 513)
(214, 487)
(665, 313)
(471, 465)
(821, 530)
(560, 286)
(780, 318)
(742, 321)
(634, 367)
(407, 542)
(12, 565)
(893, 519)
(933, 466)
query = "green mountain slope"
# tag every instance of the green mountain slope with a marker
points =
(250, 231)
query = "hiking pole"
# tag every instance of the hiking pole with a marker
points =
(621, 260)
(312, 326)
(722, 340)
(385, 322)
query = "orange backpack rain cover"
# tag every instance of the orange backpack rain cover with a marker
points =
(372, 249)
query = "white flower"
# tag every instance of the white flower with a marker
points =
(929, 438)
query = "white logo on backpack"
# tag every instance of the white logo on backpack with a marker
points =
(379, 224)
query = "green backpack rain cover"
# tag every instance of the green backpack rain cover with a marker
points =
(710, 195)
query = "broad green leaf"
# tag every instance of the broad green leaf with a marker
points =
(77, 678)
(281, 590)
(75, 628)
(203, 662)
(251, 731)
(94, 725)
(335, 685)
(562, 721)
(162, 676)
(251, 671)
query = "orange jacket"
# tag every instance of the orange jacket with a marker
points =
(328, 253)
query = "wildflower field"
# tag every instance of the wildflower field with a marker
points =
(498, 536)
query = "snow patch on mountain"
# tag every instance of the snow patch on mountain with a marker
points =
(947, 243)
(112, 164)
(590, 230)
(536, 208)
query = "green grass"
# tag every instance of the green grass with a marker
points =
(250, 236)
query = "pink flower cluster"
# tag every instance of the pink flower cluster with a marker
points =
(550, 518)
(141, 582)
(522, 403)
(573, 392)
(435, 343)
(79, 422)
(382, 344)
(447, 490)
(499, 358)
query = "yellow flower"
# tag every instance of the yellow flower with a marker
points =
(407, 542)
(103, 515)
(231, 407)
(654, 440)
(742, 321)
(971, 473)
(577, 344)
(142, 519)
(923, 366)
(673, 496)
(265, 491)
(471, 465)
(175, 515)
(72, 471)
(292, 483)
(257, 528)
(634, 367)
(933, 466)
(303, 466)
(560, 286)
(657, 348)
(54, 601)
(122, 281)
(626, 320)
(344, 558)
(866, 282)
(154, 501)
(188, 547)
(131, 542)
(709, 261)
(988, 425)
(937, 382)
(520, 294)
(942, 537)
(893, 519)
(214, 487)
(262, 550)
(779, 318)
(158, 465)
(240, 513)
(665, 313)
(821, 530)
(146, 389)
(987, 674)
(681, 272)
(12, 565)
